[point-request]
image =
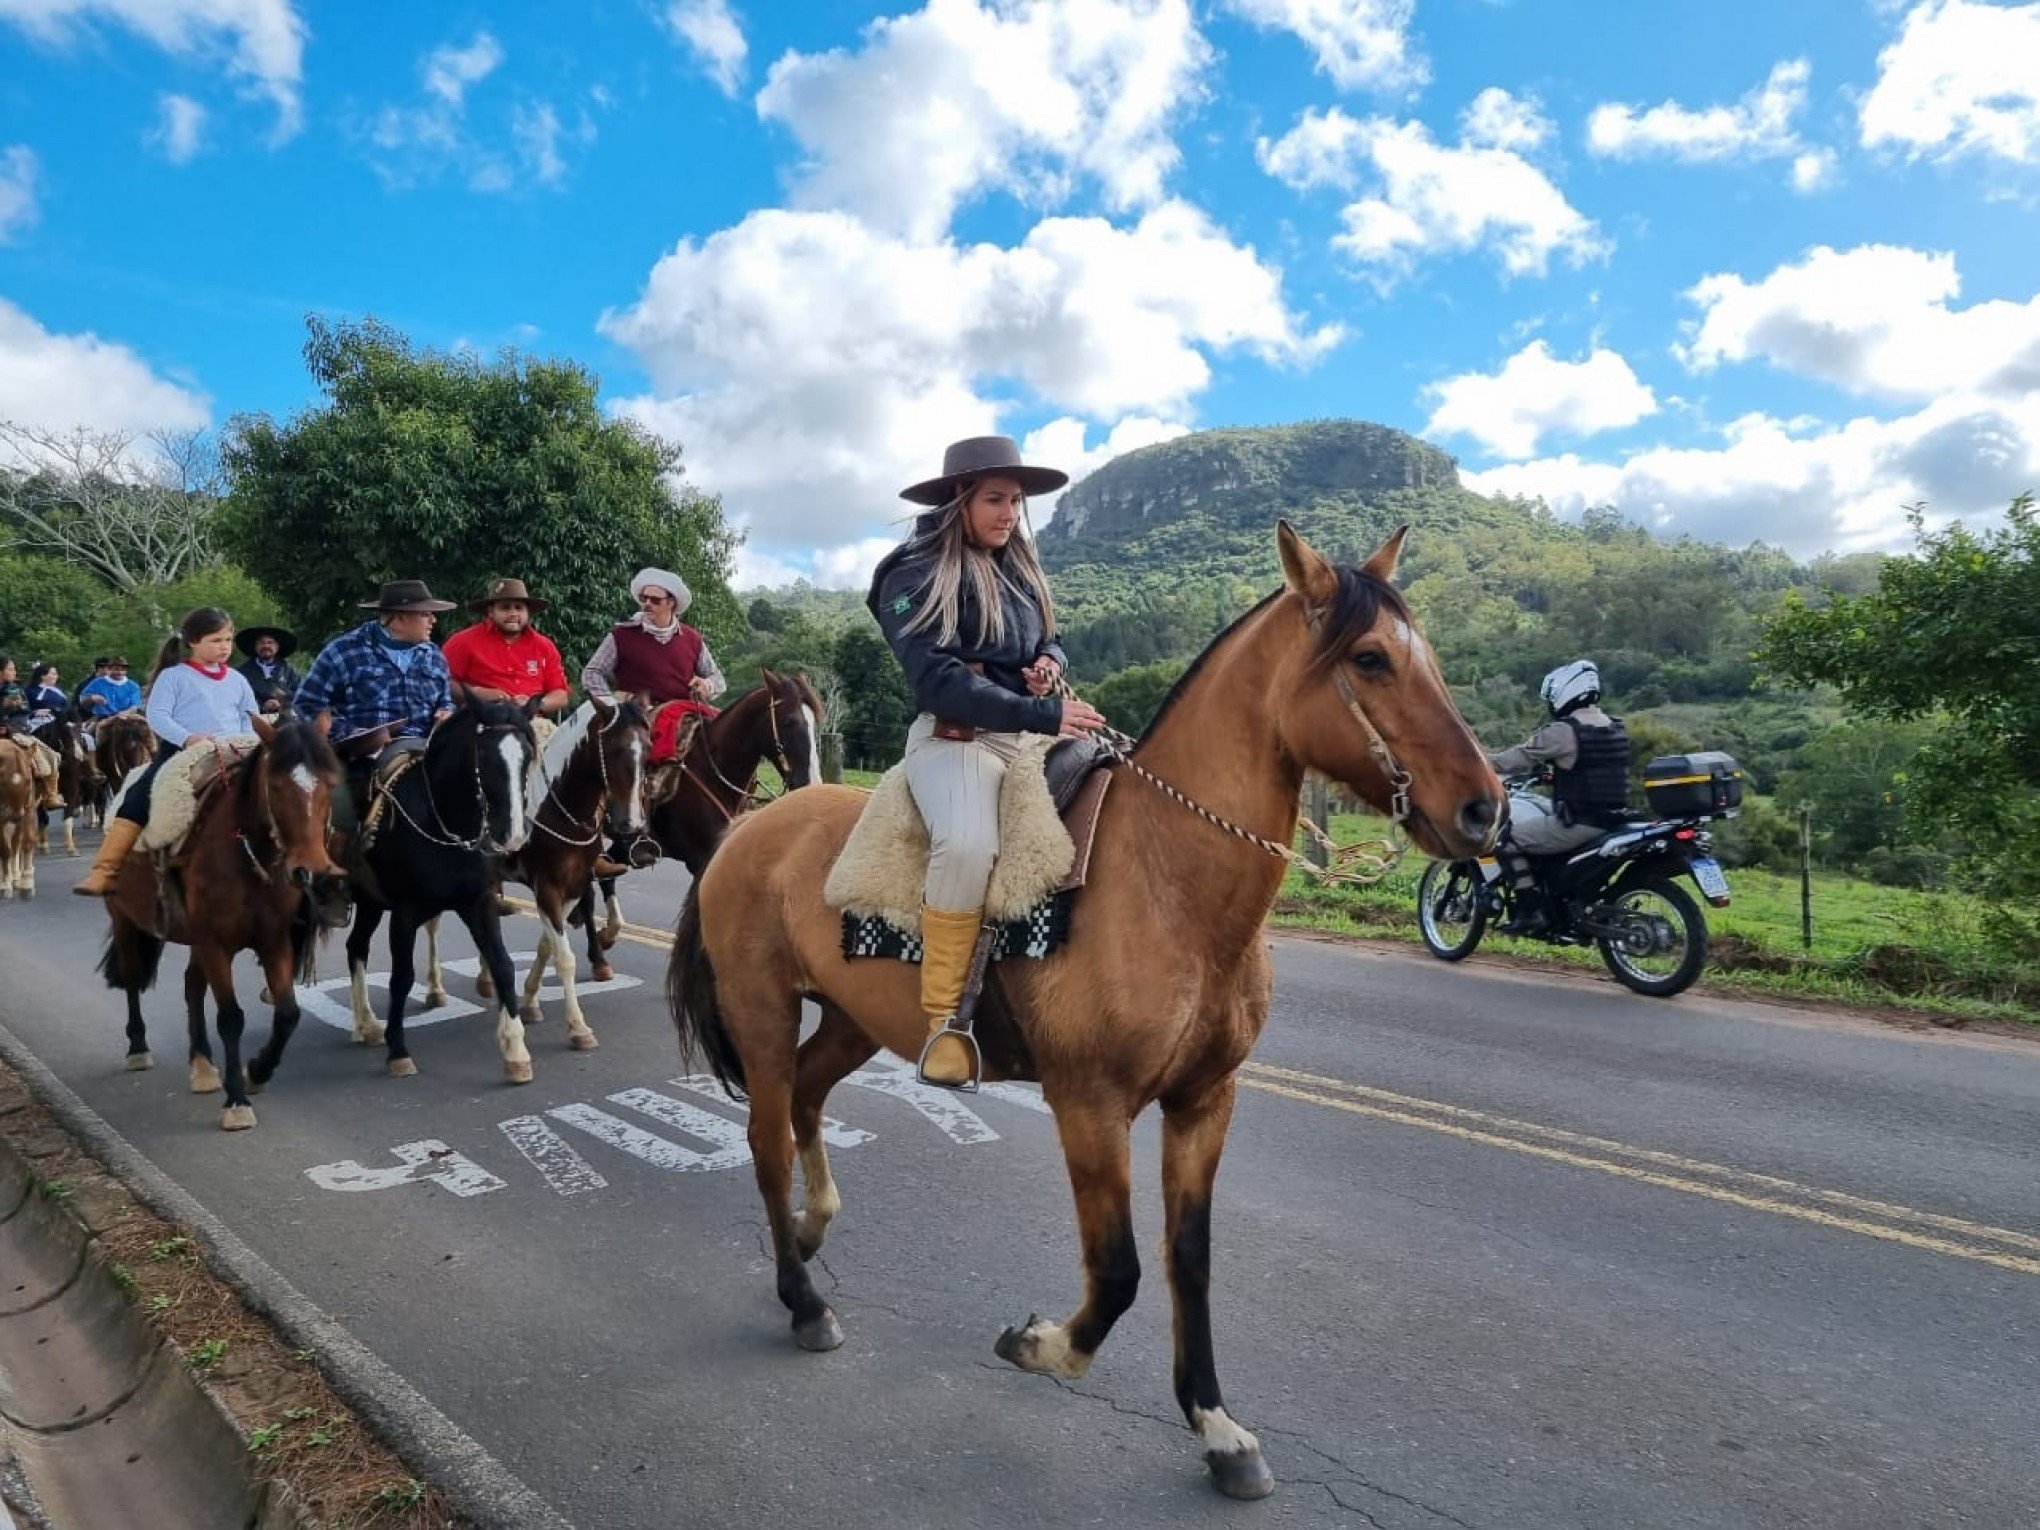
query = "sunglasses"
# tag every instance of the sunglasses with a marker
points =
(655, 600)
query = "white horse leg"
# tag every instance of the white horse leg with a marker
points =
(580, 1035)
(612, 923)
(368, 1031)
(70, 833)
(510, 1038)
(435, 980)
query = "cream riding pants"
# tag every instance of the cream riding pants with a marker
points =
(956, 787)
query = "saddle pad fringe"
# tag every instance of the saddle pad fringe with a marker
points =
(1035, 934)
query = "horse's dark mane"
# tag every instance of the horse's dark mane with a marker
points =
(292, 745)
(1354, 609)
(808, 694)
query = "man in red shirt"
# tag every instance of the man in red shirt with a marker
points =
(503, 657)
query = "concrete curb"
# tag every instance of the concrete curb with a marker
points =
(483, 1490)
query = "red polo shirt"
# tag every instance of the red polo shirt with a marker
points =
(529, 666)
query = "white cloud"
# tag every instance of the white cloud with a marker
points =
(1878, 319)
(180, 127)
(714, 36)
(59, 382)
(1759, 126)
(810, 364)
(1961, 77)
(1813, 169)
(1027, 96)
(17, 190)
(413, 145)
(1535, 394)
(1361, 44)
(1431, 199)
(264, 40)
(1061, 443)
(1842, 487)
(449, 71)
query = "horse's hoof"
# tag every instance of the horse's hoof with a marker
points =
(435, 998)
(374, 1038)
(237, 1118)
(1243, 1475)
(403, 1067)
(602, 974)
(205, 1078)
(517, 1072)
(583, 1041)
(266, 996)
(485, 985)
(138, 1061)
(531, 1014)
(819, 1335)
(256, 1083)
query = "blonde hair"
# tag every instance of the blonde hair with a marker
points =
(957, 560)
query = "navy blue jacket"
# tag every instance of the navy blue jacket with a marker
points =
(942, 681)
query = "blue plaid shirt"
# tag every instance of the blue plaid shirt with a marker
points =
(360, 683)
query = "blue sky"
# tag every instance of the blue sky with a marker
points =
(1745, 270)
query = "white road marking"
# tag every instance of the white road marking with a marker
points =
(943, 1108)
(552, 1155)
(427, 1162)
(732, 1150)
(621, 1135)
(317, 1004)
(834, 1132)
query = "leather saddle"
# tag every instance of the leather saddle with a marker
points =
(1077, 773)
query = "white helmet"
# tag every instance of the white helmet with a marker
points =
(1571, 685)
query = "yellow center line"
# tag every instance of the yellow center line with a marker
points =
(1745, 1188)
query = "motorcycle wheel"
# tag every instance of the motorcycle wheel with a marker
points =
(1451, 908)
(1664, 944)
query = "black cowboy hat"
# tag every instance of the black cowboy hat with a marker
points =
(102, 662)
(506, 589)
(247, 637)
(984, 457)
(118, 661)
(406, 595)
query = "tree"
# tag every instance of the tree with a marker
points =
(131, 517)
(1130, 698)
(1954, 630)
(877, 705)
(455, 471)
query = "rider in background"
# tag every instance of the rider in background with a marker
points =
(654, 655)
(109, 692)
(966, 607)
(502, 657)
(1587, 752)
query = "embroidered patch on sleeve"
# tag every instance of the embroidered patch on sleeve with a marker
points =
(902, 604)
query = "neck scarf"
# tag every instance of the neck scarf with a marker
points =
(210, 671)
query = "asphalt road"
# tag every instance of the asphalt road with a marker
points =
(1492, 1249)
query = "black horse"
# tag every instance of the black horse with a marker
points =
(444, 827)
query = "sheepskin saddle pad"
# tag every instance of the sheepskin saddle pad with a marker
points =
(183, 785)
(1044, 857)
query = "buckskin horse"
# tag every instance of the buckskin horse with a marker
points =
(446, 823)
(1163, 986)
(257, 879)
(21, 794)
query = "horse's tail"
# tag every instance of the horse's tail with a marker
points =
(131, 957)
(690, 994)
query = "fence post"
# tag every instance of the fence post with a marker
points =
(1317, 807)
(831, 748)
(1806, 876)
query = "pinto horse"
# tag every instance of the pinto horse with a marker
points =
(258, 879)
(1164, 983)
(78, 780)
(446, 824)
(694, 804)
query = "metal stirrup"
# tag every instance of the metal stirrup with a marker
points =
(961, 1029)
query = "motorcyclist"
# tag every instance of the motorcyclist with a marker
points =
(1588, 754)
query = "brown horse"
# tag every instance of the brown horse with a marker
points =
(79, 783)
(1163, 986)
(21, 796)
(125, 744)
(258, 879)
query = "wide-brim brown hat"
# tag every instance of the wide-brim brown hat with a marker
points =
(506, 589)
(984, 457)
(248, 637)
(406, 595)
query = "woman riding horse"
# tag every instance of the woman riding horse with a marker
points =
(965, 606)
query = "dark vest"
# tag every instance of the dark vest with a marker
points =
(652, 669)
(1596, 789)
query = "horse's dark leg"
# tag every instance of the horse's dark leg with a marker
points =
(205, 1078)
(1094, 1141)
(486, 926)
(1193, 1136)
(124, 965)
(403, 968)
(237, 1115)
(599, 969)
(368, 1030)
(279, 971)
(836, 1049)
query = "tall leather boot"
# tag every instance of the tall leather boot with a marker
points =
(121, 835)
(948, 937)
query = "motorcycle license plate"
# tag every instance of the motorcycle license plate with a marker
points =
(1707, 872)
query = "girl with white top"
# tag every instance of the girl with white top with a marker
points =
(195, 696)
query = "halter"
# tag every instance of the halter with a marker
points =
(454, 842)
(1362, 862)
(552, 787)
(748, 796)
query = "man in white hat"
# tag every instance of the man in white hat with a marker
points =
(654, 655)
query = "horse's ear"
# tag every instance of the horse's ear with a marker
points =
(264, 729)
(1382, 564)
(1304, 568)
(532, 704)
(770, 678)
(604, 707)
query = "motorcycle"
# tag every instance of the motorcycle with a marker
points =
(1622, 893)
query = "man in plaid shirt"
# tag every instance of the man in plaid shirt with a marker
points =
(385, 673)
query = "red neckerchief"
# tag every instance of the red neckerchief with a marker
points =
(210, 671)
